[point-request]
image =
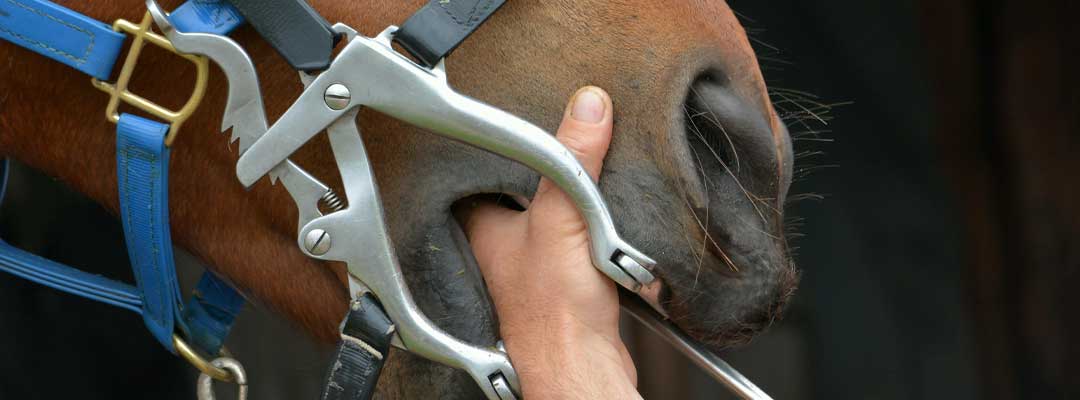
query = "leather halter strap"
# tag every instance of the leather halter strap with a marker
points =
(306, 40)
(440, 26)
(142, 168)
(364, 346)
(294, 29)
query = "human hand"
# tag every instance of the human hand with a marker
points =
(558, 315)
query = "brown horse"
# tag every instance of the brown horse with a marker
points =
(696, 175)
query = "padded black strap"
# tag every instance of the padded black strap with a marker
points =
(295, 30)
(438, 28)
(365, 343)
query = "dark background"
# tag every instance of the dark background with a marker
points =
(940, 137)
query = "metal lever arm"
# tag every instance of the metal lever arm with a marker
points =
(244, 111)
(376, 76)
(370, 257)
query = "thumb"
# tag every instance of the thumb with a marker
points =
(586, 132)
(586, 128)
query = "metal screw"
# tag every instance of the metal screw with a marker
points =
(337, 96)
(317, 242)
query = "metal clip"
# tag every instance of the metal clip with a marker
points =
(118, 91)
(204, 388)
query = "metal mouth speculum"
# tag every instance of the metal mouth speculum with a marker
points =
(370, 257)
(376, 76)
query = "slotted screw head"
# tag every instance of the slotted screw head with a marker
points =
(337, 96)
(317, 242)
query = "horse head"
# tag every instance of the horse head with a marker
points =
(696, 175)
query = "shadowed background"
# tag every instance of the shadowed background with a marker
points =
(940, 137)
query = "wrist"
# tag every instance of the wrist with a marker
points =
(567, 359)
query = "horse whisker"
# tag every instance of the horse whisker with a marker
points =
(738, 182)
(707, 237)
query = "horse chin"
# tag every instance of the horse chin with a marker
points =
(736, 307)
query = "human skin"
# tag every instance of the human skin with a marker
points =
(557, 314)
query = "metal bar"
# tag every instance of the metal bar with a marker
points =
(700, 356)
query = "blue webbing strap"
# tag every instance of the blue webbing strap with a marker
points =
(142, 168)
(61, 34)
(210, 312)
(92, 47)
(142, 163)
(89, 45)
(61, 277)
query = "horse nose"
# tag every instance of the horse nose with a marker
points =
(735, 158)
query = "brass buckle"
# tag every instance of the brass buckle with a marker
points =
(118, 91)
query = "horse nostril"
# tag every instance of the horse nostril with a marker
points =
(733, 166)
(730, 137)
(710, 143)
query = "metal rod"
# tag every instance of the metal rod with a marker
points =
(700, 356)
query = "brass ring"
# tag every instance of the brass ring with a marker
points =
(199, 362)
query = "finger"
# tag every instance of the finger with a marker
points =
(586, 132)
(486, 225)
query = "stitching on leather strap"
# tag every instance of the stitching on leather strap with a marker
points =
(469, 20)
(89, 35)
(362, 345)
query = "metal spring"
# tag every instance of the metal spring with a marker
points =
(331, 201)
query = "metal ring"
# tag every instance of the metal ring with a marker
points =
(199, 362)
(204, 386)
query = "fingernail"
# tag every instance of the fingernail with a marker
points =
(588, 107)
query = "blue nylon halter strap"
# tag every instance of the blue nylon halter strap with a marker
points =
(142, 163)
(142, 172)
(206, 16)
(61, 34)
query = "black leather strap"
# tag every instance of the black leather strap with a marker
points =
(365, 343)
(295, 30)
(441, 25)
